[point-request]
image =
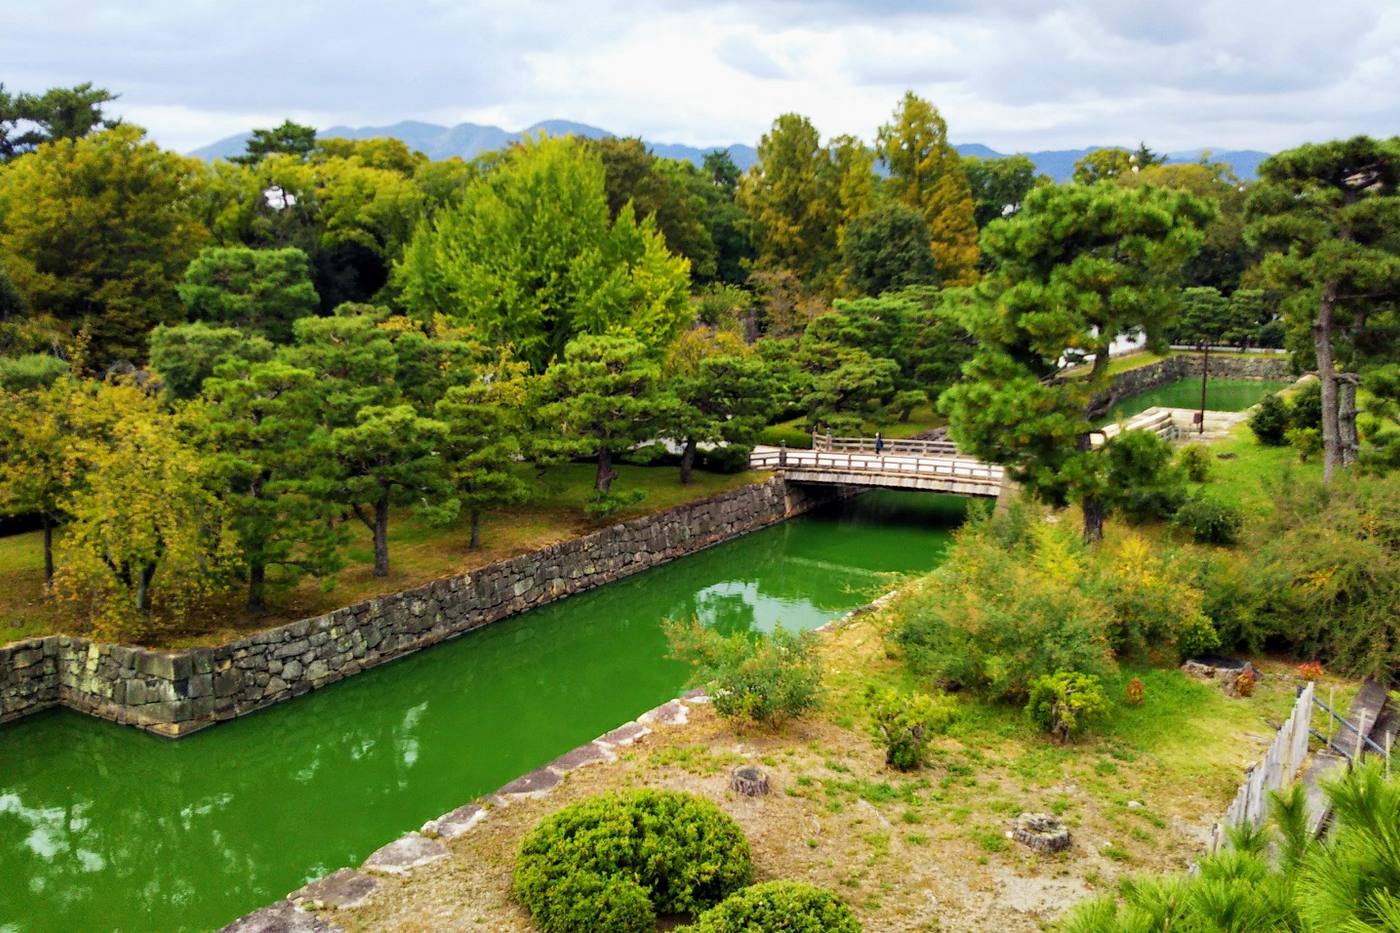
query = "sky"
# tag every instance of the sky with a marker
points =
(1013, 74)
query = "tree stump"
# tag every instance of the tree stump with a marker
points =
(1041, 831)
(749, 781)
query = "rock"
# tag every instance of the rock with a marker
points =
(536, 782)
(457, 823)
(673, 713)
(749, 781)
(345, 889)
(589, 754)
(409, 851)
(1223, 671)
(281, 917)
(625, 734)
(1041, 831)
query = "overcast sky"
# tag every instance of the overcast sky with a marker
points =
(1014, 74)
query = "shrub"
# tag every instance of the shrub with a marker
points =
(1270, 421)
(788, 906)
(1195, 460)
(1196, 635)
(1152, 599)
(1064, 703)
(1244, 683)
(905, 723)
(1151, 486)
(1209, 521)
(616, 861)
(730, 458)
(31, 371)
(1006, 607)
(1306, 410)
(606, 505)
(764, 679)
(1310, 670)
(1134, 692)
(794, 438)
(1306, 441)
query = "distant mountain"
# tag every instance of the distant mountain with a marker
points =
(469, 140)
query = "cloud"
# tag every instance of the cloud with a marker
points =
(1015, 74)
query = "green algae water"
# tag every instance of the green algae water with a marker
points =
(106, 828)
(1221, 395)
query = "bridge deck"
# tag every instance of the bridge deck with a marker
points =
(932, 473)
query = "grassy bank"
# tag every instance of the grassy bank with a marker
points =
(419, 552)
(793, 432)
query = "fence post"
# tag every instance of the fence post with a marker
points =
(782, 453)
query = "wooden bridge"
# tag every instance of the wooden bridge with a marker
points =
(927, 465)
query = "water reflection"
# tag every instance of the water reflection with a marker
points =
(102, 827)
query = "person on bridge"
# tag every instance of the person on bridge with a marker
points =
(879, 444)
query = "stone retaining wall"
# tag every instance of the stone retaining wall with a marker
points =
(1135, 381)
(176, 693)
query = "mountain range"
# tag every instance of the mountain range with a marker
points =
(469, 140)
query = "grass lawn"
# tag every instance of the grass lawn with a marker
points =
(418, 552)
(922, 418)
(920, 851)
(1246, 473)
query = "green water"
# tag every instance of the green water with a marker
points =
(1221, 395)
(106, 828)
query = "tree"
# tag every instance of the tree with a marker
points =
(259, 291)
(1328, 217)
(1224, 255)
(58, 113)
(1207, 320)
(999, 185)
(485, 422)
(148, 538)
(353, 360)
(259, 422)
(845, 386)
(927, 174)
(529, 259)
(391, 456)
(96, 232)
(289, 138)
(1103, 165)
(786, 197)
(724, 390)
(187, 354)
(887, 248)
(884, 329)
(1078, 267)
(605, 397)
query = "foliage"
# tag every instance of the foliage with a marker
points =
(999, 185)
(791, 906)
(1103, 165)
(1065, 703)
(148, 538)
(927, 175)
(766, 679)
(723, 391)
(1142, 481)
(95, 233)
(258, 291)
(887, 248)
(616, 861)
(187, 354)
(1209, 521)
(1310, 670)
(1135, 692)
(58, 113)
(1208, 318)
(1269, 422)
(1079, 266)
(30, 371)
(905, 723)
(529, 259)
(604, 397)
(1245, 682)
(1306, 441)
(1152, 599)
(289, 138)
(1195, 460)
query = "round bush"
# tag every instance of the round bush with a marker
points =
(1270, 421)
(779, 907)
(1210, 522)
(616, 861)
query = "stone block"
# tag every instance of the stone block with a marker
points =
(458, 822)
(533, 784)
(404, 854)
(281, 917)
(345, 889)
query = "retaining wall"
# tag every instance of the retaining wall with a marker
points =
(1163, 372)
(176, 693)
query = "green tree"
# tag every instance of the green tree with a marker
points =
(187, 354)
(1328, 218)
(725, 218)
(289, 138)
(784, 197)
(605, 397)
(1224, 255)
(259, 291)
(724, 390)
(485, 421)
(259, 421)
(529, 259)
(1078, 267)
(58, 113)
(95, 232)
(353, 359)
(999, 185)
(927, 174)
(1103, 165)
(1209, 319)
(887, 248)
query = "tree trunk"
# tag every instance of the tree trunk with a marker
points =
(143, 588)
(1347, 436)
(1094, 511)
(606, 474)
(257, 587)
(381, 537)
(1205, 375)
(48, 549)
(687, 460)
(1327, 374)
(476, 530)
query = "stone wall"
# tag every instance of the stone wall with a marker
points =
(175, 693)
(1135, 381)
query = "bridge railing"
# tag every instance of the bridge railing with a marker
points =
(827, 443)
(851, 462)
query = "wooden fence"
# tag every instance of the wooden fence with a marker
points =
(1277, 770)
(892, 446)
